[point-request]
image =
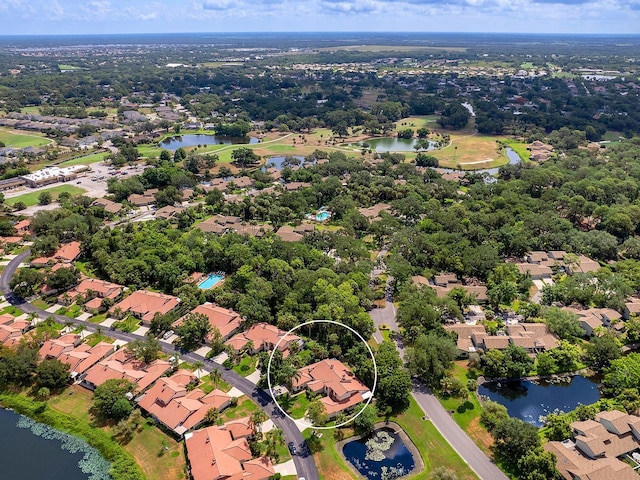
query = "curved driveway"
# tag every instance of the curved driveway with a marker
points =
(304, 463)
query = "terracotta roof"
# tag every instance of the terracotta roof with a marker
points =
(84, 357)
(170, 402)
(214, 455)
(573, 465)
(145, 304)
(264, 337)
(122, 365)
(225, 320)
(68, 252)
(102, 288)
(534, 270)
(342, 388)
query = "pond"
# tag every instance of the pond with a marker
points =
(193, 140)
(33, 451)
(529, 401)
(381, 455)
(394, 144)
(280, 162)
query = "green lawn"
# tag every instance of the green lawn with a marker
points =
(40, 303)
(68, 67)
(207, 385)
(21, 140)
(246, 366)
(31, 199)
(519, 147)
(150, 151)
(95, 338)
(299, 406)
(127, 325)
(85, 160)
(433, 448)
(72, 311)
(11, 310)
(244, 408)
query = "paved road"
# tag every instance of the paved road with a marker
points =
(304, 463)
(450, 430)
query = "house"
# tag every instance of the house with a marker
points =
(535, 271)
(79, 356)
(340, 388)
(592, 318)
(465, 332)
(143, 200)
(144, 304)
(23, 227)
(171, 402)
(631, 307)
(533, 337)
(168, 212)
(123, 365)
(263, 337)
(599, 448)
(12, 333)
(286, 233)
(444, 283)
(108, 205)
(375, 210)
(214, 454)
(226, 321)
(89, 287)
(55, 347)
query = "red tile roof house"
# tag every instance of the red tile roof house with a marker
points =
(264, 337)
(144, 305)
(122, 365)
(214, 453)
(23, 227)
(226, 321)
(67, 253)
(171, 403)
(342, 389)
(79, 357)
(10, 334)
(101, 289)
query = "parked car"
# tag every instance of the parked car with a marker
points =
(167, 334)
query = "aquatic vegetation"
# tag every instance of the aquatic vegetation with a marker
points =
(378, 445)
(92, 463)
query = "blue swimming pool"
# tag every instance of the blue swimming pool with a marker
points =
(322, 216)
(211, 281)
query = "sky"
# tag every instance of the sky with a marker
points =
(41, 17)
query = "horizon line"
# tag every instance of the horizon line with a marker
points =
(58, 34)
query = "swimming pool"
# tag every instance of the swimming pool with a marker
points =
(322, 216)
(211, 281)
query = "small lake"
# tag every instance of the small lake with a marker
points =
(280, 162)
(389, 454)
(529, 401)
(394, 144)
(193, 140)
(33, 451)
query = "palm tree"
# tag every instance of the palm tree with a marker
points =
(81, 329)
(215, 377)
(68, 324)
(274, 438)
(198, 366)
(256, 420)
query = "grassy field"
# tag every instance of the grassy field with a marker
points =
(467, 412)
(519, 147)
(417, 121)
(433, 448)
(30, 110)
(85, 160)
(145, 446)
(470, 152)
(14, 139)
(31, 199)
(68, 67)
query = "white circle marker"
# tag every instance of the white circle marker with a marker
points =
(375, 372)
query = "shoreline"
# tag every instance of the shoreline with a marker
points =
(123, 465)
